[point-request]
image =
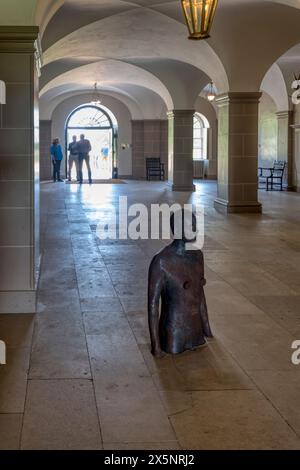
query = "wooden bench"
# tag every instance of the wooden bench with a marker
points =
(275, 175)
(155, 169)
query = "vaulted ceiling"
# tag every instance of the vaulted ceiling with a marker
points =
(140, 46)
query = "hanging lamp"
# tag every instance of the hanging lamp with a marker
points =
(96, 101)
(199, 16)
(211, 93)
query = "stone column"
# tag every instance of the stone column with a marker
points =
(19, 171)
(46, 171)
(181, 146)
(285, 144)
(238, 153)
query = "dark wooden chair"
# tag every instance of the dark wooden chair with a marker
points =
(274, 176)
(155, 169)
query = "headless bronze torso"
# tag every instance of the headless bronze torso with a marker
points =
(176, 277)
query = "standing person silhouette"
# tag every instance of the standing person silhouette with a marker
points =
(84, 148)
(73, 158)
(57, 157)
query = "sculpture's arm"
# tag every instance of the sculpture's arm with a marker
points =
(203, 307)
(204, 317)
(154, 293)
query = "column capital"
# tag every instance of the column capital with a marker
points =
(285, 114)
(180, 112)
(18, 38)
(238, 97)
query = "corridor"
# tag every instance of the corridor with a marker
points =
(80, 373)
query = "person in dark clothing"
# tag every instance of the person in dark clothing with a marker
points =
(73, 158)
(57, 157)
(84, 148)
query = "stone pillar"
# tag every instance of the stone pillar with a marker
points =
(181, 147)
(45, 143)
(285, 144)
(213, 152)
(238, 153)
(19, 171)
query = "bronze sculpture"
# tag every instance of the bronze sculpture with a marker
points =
(176, 277)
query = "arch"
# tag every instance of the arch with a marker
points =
(64, 22)
(266, 29)
(135, 35)
(2, 353)
(205, 121)
(92, 119)
(289, 67)
(267, 131)
(201, 126)
(182, 80)
(274, 85)
(112, 74)
(103, 119)
(208, 110)
(44, 12)
(291, 3)
(61, 109)
(49, 104)
(2, 92)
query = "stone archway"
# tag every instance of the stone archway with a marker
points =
(100, 127)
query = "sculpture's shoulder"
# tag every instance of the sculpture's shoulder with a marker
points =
(195, 258)
(168, 256)
(160, 258)
(198, 254)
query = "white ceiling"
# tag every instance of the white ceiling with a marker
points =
(129, 46)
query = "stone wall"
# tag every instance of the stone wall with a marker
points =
(149, 139)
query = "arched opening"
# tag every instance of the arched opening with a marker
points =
(275, 133)
(268, 132)
(100, 127)
(201, 146)
(2, 92)
(201, 126)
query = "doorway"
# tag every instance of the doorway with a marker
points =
(99, 126)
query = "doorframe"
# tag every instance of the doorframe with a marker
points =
(103, 128)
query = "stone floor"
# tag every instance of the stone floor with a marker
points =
(80, 375)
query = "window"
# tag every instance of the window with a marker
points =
(2, 92)
(201, 126)
(89, 116)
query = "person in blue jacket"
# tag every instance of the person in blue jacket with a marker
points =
(57, 157)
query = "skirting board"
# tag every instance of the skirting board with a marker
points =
(18, 302)
(225, 207)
